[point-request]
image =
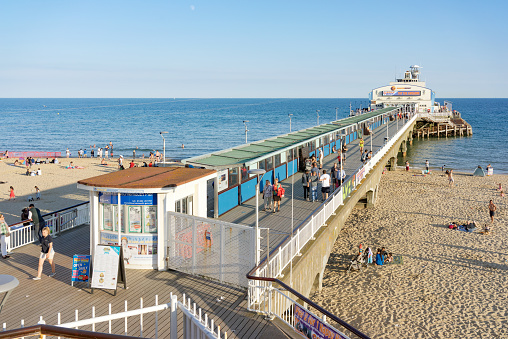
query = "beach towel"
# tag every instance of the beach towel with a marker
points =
(397, 260)
(479, 172)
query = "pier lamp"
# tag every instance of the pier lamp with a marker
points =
(317, 112)
(290, 115)
(246, 130)
(257, 172)
(164, 145)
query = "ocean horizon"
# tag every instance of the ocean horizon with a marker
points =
(208, 125)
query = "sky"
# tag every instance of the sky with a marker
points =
(249, 49)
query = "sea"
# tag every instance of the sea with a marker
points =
(206, 125)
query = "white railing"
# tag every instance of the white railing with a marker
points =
(58, 222)
(196, 323)
(216, 249)
(305, 232)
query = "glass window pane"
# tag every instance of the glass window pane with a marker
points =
(269, 163)
(245, 175)
(150, 219)
(277, 160)
(262, 164)
(233, 176)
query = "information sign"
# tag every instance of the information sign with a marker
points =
(80, 268)
(108, 267)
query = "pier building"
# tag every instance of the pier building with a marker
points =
(409, 93)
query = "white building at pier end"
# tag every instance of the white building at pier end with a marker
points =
(409, 93)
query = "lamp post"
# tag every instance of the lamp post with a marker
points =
(258, 172)
(317, 112)
(246, 130)
(164, 145)
(290, 115)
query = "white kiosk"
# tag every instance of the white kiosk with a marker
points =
(128, 208)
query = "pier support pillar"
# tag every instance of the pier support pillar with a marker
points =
(410, 136)
(403, 148)
(371, 198)
(392, 164)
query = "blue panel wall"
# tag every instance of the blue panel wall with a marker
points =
(280, 172)
(312, 153)
(331, 145)
(248, 190)
(326, 150)
(228, 200)
(292, 167)
(267, 176)
(347, 139)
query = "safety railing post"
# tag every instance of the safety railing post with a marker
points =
(173, 325)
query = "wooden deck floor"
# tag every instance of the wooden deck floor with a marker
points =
(49, 296)
(280, 223)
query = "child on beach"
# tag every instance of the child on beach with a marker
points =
(11, 194)
(407, 165)
(37, 193)
(389, 258)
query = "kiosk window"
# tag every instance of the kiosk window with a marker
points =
(184, 205)
(290, 155)
(269, 163)
(233, 176)
(262, 164)
(245, 175)
(277, 160)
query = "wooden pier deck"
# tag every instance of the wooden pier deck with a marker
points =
(49, 296)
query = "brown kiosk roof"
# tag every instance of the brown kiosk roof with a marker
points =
(147, 177)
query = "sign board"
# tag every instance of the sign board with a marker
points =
(128, 199)
(222, 179)
(108, 268)
(137, 250)
(80, 268)
(401, 93)
(312, 327)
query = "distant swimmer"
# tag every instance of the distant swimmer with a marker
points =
(183, 146)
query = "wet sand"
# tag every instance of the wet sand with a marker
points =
(451, 284)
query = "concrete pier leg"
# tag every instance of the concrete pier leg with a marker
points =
(411, 139)
(446, 131)
(392, 164)
(403, 148)
(371, 198)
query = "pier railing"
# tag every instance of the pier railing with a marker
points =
(58, 221)
(261, 295)
(141, 322)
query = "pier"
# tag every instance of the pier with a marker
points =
(224, 280)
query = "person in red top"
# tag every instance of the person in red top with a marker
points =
(150, 164)
(131, 165)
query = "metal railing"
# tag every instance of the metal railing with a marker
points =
(267, 272)
(196, 323)
(58, 221)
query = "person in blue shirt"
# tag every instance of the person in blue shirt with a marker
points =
(379, 258)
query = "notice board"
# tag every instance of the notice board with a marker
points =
(80, 268)
(108, 268)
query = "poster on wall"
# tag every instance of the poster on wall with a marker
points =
(122, 216)
(138, 250)
(313, 327)
(222, 179)
(108, 217)
(135, 219)
(150, 213)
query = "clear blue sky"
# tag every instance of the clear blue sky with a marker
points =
(263, 49)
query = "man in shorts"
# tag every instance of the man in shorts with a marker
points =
(325, 184)
(450, 178)
(492, 210)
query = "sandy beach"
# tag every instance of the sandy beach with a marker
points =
(57, 184)
(452, 284)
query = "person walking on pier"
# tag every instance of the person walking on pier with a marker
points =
(47, 252)
(305, 184)
(313, 185)
(4, 232)
(268, 195)
(325, 185)
(321, 157)
(37, 220)
(492, 210)
(361, 145)
(276, 195)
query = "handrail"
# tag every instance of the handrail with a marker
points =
(19, 222)
(67, 208)
(59, 331)
(310, 302)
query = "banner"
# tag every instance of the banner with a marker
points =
(138, 250)
(80, 268)
(312, 327)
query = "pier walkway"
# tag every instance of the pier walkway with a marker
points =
(50, 296)
(290, 217)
